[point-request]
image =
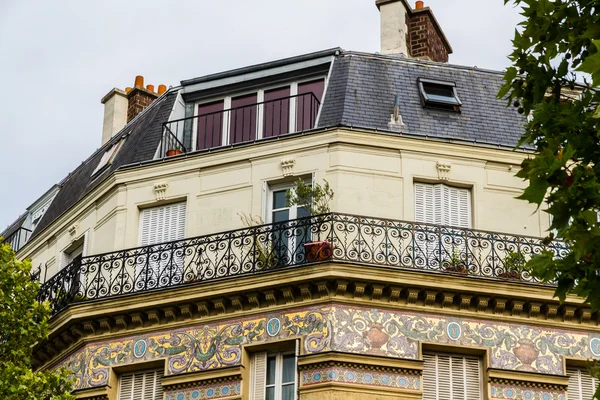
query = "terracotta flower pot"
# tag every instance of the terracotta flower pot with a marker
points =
(173, 152)
(457, 269)
(318, 251)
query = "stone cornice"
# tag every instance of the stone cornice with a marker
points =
(528, 379)
(194, 379)
(355, 285)
(97, 393)
(367, 362)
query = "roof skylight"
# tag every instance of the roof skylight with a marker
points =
(108, 157)
(439, 94)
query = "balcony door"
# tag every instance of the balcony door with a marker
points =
(309, 96)
(276, 114)
(210, 125)
(160, 262)
(242, 118)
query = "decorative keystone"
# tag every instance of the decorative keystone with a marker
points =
(443, 170)
(287, 166)
(160, 190)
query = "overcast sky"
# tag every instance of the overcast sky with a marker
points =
(59, 58)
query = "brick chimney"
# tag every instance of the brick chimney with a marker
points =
(412, 32)
(120, 106)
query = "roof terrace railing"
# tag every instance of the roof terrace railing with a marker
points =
(18, 238)
(215, 127)
(273, 247)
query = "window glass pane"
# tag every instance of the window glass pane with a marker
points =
(287, 392)
(280, 216)
(271, 370)
(270, 393)
(289, 368)
(279, 200)
(439, 93)
(303, 212)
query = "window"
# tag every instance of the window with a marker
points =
(274, 376)
(439, 94)
(162, 224)
(108, 157)
(162, 265)
(451, 377)
(143, 385)
(443, 205)
(287, 240)
(581, 384)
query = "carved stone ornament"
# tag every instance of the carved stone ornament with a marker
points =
(160, 190)
(443, 170)
(73, 230)
(287, 166)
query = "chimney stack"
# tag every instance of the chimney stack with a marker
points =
(120, 106)
(412, 32)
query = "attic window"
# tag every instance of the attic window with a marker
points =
(108, 157)
(439, 94)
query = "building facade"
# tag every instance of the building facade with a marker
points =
(177, 270)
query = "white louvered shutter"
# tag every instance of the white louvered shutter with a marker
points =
(451, 377)
(143, 385)
(582, 385)
(162, 224)
(258, 374)
(443, 205)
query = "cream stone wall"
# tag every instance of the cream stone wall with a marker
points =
(371, 173)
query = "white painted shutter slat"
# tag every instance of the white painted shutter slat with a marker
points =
(473, 389)
(258, 376)
(451, 377)
(582, 385)
(143, 385)
(162, 224)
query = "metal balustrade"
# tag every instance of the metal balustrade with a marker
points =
(274, 247)
(220, 128)
(18, 238)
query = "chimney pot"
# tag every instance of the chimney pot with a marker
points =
(139, 81)
(128, 89)
(419, 5)
(150, 88)
(162, 89)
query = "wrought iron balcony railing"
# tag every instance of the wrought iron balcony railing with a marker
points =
(216, 127)
(273, 247)
(18, 238)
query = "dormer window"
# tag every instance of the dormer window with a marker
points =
(108, 157)
(439, 94)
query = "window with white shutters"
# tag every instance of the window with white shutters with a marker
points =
(162, 224)
(451, 377)
(161, 266)
(273, 376)
(143, 385)
(443, 205)
(582, 385)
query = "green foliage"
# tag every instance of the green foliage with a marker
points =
(514, 261)
(316, 199)
(557, 39)
(24, 322)
(264, 249)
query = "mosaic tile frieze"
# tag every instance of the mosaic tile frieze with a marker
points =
(206, 392)
(503, 392)
(199, 348)
(512, 346)
(359, 376)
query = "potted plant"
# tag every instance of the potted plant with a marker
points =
(514, 262)
(264, 252)
(456, 264)
(315, 199)
(174, 150)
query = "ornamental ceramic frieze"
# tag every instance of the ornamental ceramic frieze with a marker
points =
(206, 392)
(515, 392)
(512, 346)
(358, 376)
(199, 348)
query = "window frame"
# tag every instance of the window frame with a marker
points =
(260, 96)
(451, 389)
(279, 384)
(427, 101)
(107, 157)
(158, 374)
(444, 201)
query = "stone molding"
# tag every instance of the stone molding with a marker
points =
(528, 379)
(209, 377)
(366, 362)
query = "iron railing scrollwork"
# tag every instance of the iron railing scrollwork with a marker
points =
(264, 248)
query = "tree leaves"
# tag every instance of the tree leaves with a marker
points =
(23, 323)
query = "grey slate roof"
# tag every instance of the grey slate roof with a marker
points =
(144, 134)
(362, 88)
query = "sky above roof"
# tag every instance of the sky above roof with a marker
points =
(60, 58)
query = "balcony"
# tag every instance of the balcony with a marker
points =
(292, 244)
(215, 127)
(18, 238)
